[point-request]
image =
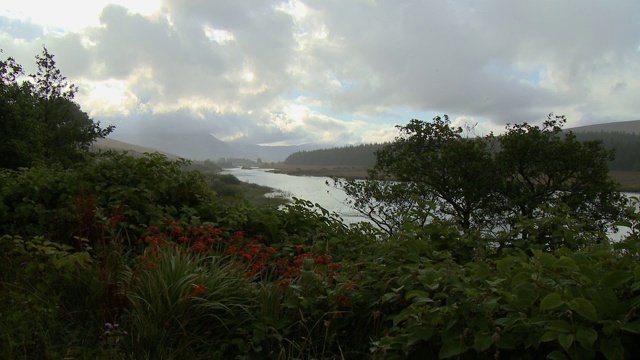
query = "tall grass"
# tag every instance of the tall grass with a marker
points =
(186, 305)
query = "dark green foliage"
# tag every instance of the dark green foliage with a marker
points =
(492, 183)
(63, 203)
(359, 155)
(39, 121)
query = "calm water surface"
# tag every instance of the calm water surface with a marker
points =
(311, 188)
(315, 189)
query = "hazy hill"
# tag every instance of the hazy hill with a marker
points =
(272, 153)
(195, 146)
(630, 127)
(111, 144)
(203, 146)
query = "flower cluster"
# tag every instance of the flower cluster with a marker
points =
(112, 334)
(289, 267)
(198, 289)
(248, 252)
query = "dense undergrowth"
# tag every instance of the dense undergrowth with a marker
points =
(124, 258)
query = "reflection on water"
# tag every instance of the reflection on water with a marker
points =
(315, 189)
(311, 188)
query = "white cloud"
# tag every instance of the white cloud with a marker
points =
(299, 71)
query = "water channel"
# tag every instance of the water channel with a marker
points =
(311, 188)
(316, 190)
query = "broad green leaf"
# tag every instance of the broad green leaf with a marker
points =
(452, 348)
(612, 348)
(636, 272)
(503, 265)
(551, 301)
(633, 327)
(584, 307)
(567, 263)
(546, 259)
(521, 277)
(560, 326)
(388, 296)
(549, 336)
(424, 333)
(417, 294)
(565, 341)
(482, 342)
(586, 337)
(556, 355)
(615, 278)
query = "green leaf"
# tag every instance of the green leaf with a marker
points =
(424, 333)
(565, 341)
(560, 326)
(586, 337)
(418, 296)
(584, 307)
(388, 296)
(556, 355)
(636, 272)
(549, 336)
(482, 342)
(551, 301)
(633, 327)
(452, 348)
(614, 279)
(567, 263)
(612, 348)
(546, 259)
(503, 265)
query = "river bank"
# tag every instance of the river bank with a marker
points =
(629, 180)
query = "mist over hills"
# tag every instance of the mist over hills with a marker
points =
(203, 146)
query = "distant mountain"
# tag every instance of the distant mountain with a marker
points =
(203, 146)
(272, 153)
(111, 144)
(195, 146)
(629, 127)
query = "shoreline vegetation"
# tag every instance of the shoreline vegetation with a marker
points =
(629, 180)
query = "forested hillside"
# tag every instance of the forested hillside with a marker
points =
(626, 145)
(358, 155)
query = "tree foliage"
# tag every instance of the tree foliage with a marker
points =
(359, 155)
(39, 120)
(492, 183)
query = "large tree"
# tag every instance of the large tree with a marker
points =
(40, 120)
(493, 183)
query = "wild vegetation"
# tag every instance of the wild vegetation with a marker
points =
(116, 257)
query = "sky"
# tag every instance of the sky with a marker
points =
(334, 71)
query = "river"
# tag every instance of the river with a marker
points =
(316, 190)
(311, 188)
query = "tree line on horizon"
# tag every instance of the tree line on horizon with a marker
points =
(625, 145)
(351, 155)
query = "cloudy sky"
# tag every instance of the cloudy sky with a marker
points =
(334, 71)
